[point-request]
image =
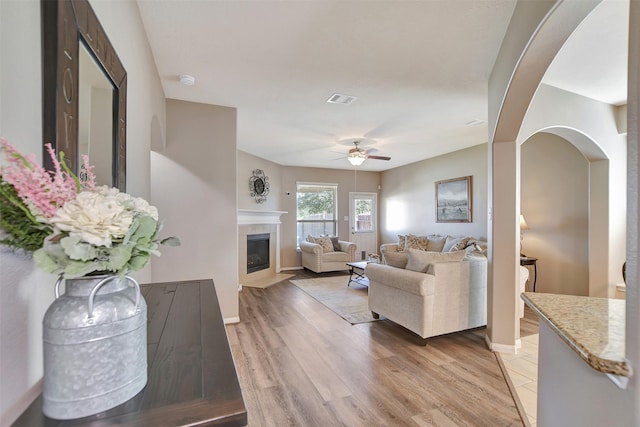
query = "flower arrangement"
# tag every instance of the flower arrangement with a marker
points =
(73, 227)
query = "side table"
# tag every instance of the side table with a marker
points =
(526, 260)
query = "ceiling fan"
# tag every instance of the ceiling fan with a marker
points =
(357, 155)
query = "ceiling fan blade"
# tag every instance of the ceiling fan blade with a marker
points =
(379, 157)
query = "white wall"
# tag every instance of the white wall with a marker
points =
(26, 292)
(555, 202)
(194, 186)
(556, 110)
(407, 202)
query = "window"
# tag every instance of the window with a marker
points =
(317, 210)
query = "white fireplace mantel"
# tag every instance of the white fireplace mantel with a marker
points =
(250, 216)
(255, 217)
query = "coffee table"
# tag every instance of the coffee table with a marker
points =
(356, 273)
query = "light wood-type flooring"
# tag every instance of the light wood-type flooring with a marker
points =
(300, 364)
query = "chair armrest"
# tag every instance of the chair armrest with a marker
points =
(348, 247)
(313, 248)
(409, 281)
(389, 247)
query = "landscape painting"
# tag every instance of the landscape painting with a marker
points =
(453, 200)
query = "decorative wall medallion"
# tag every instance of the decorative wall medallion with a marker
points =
(259, 186)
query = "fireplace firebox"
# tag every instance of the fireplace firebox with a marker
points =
(257, 252)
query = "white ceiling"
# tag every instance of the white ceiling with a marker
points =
(419, 70)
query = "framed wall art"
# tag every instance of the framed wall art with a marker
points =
(453, 200)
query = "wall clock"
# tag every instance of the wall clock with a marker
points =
(259, 186)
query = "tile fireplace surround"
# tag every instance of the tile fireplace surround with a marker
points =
(258, 222)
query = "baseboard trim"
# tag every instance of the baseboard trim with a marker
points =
(503, 348)
(291, 268)
(229, 320)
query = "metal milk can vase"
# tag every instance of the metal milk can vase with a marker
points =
(95, 346)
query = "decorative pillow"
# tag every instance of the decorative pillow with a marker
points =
(450, 242)
(395, 259)
(310, 239)
(416, 242)
(472, 247)
(326, 244)
(334, 242)
(436, 243)
(420, 260)
(402, 242)
(460, 245)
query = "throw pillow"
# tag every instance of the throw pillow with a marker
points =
(420, 260)
(326, 244)
(336, 245)
(417, 242)
(460, 245)
(395, 259)
(436, 243)
(450, 242)
(402, 242)
(310, 239)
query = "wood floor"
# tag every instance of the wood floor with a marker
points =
(300, 364)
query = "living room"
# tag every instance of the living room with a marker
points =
(170, 146)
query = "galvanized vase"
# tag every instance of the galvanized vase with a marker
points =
(95, 346)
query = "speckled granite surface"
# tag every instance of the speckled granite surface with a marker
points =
(592, 327)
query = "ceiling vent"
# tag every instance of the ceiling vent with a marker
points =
(337, 98)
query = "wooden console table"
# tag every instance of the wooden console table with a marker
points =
(191, 376)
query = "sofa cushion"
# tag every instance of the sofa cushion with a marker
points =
(336, 257)
(420, 260)
(395, 259)
(436, 243)
(416, 242)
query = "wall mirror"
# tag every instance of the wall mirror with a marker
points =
(84, 91)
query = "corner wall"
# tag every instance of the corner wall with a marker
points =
(555, 203)
(194, 188)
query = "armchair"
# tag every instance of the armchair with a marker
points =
(319, 261)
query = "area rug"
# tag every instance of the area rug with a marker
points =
(349, 302)
(266, 282)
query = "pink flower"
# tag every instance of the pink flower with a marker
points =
(42, 191)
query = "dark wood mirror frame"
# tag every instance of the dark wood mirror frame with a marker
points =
(66, 24)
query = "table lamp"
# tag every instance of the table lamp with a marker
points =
(523, 226)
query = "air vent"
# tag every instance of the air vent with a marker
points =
(337, 98)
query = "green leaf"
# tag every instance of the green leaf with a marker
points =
(45, 262)
(170, 241)
(77, 250)
(79, 268)
(118, 257)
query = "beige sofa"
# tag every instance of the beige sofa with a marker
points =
(320, 260)
(449, 294)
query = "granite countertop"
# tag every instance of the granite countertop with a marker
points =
(592, 327)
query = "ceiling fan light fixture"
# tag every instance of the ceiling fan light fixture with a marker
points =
(357, 158)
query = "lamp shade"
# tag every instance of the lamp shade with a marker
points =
(523, 223)
(356, 158)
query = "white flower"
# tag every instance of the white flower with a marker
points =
(97, 217)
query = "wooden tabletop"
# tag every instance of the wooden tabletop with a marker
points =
(191, 375)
